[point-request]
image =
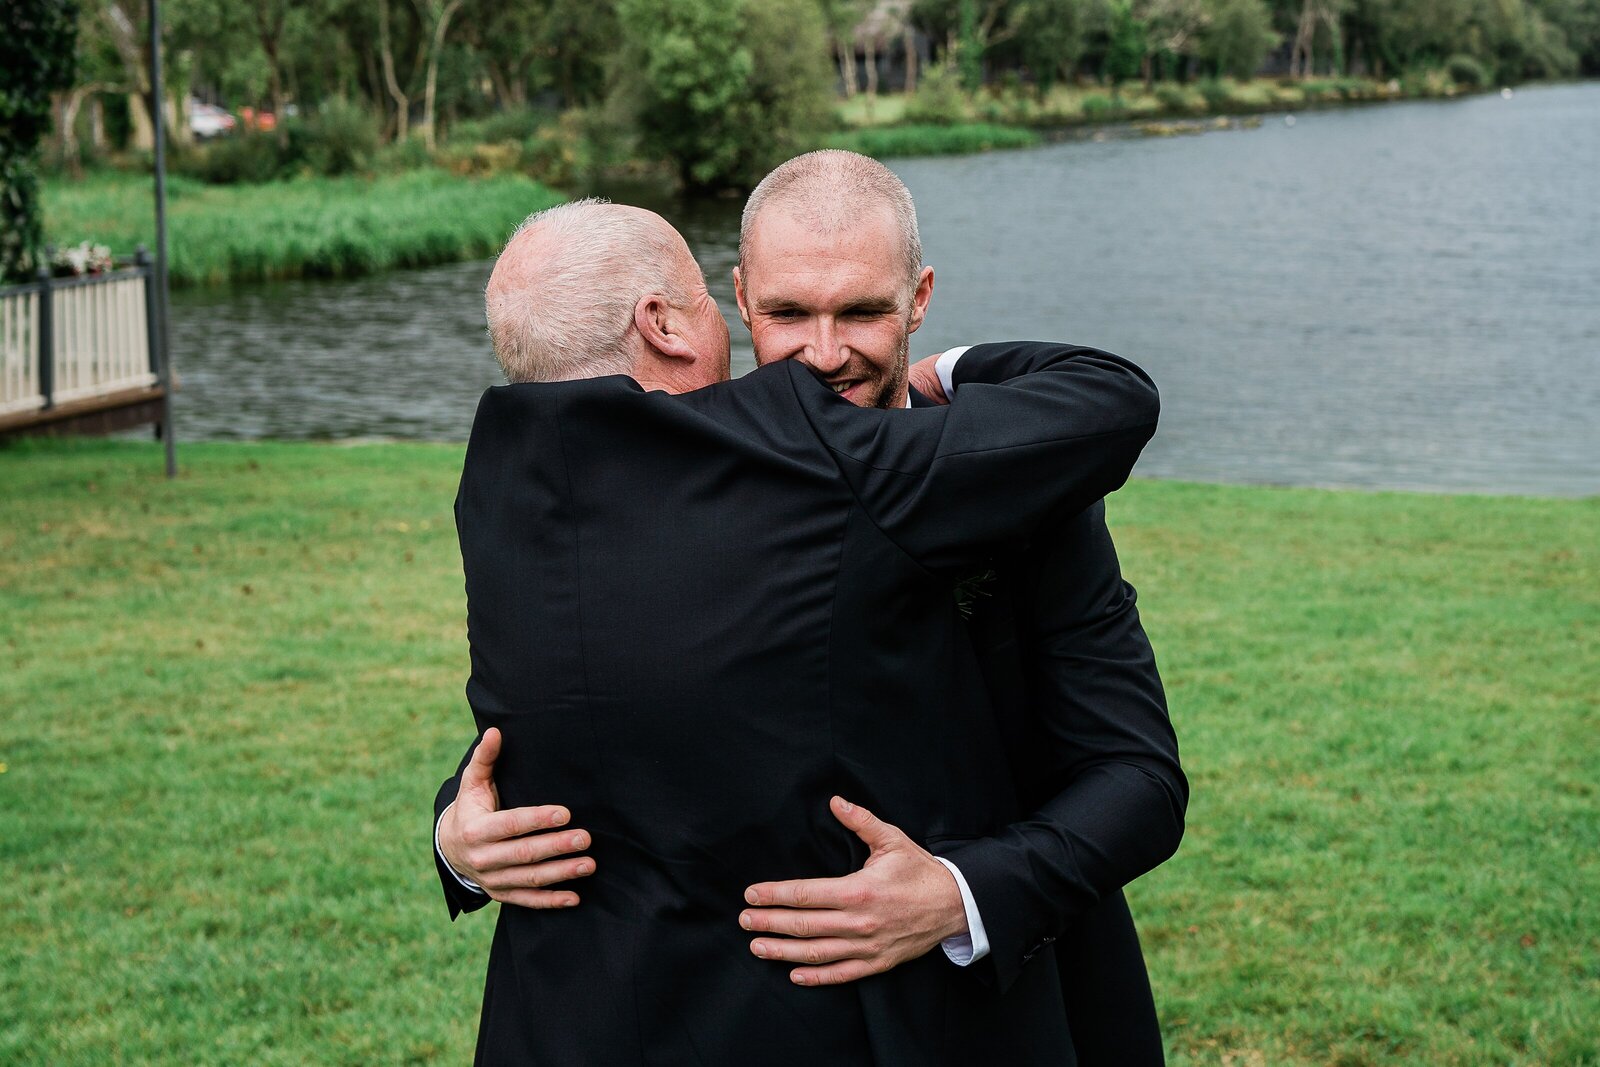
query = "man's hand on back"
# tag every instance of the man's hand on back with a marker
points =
(901, 904)
(504, 851)
(924, 378)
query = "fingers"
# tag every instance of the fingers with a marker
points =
(802, 893)
(480, 768)
(534, 875)
(812, 951)
(850, 970)
(537, 898)
(810, 922)
(523, 851)
(877, 834)
(515, 822)
(924, 376)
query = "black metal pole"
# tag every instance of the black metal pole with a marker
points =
(47, 339)
(164, 375)
(147, 271)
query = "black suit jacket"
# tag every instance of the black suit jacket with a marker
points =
(695, 618)
(1080, 705)
(1082, 712)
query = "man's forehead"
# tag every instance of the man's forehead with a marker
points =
(785, 240)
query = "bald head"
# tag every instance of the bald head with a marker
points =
(561, 299)
(830, 192)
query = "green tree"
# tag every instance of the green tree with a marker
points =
(1578, 24)
(1050, 36)
(37, 54)
(683, 71)
(1238, 36)
(1128, 41)
(723, 89)
(789, 105)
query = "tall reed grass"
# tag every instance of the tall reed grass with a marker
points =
(308, 227)
(929, 140)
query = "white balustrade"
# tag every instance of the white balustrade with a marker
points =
(19, 352)
(102, 344)
(99, 341)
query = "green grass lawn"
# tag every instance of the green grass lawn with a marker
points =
(225, 703)
(308, 227)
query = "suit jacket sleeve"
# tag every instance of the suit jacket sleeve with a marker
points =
(1035, 429)
(457, 897)
(1102, 779)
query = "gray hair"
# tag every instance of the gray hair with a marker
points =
(567, 315)
(831, 188)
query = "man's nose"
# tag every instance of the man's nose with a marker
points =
(825, 353)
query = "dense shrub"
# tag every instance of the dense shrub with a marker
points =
(398, 156)
(577, 145)
(1352, 88)
(938, 101)
(1098, 107)
(1426, 81)
(1216, 94)
(1013, 106)
(340, 138)
(240, 158)
(513, 124)
(1467, 72)
(885, 141)
(475, 160)
(1174, 97)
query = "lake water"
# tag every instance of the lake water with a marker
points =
(1403, 296)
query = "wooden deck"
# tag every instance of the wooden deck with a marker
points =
(105, 413)
(77, 355)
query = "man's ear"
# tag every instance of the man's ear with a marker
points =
(656, 321)
(738, 297)
(920, 298)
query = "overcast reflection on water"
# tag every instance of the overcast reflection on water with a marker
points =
(1398, 296)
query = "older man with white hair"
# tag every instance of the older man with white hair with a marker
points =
(695, 617)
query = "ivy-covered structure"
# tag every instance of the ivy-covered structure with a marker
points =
(37, 54)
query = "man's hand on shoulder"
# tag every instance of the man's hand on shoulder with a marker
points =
(510, 854)
(924, 377)
(900, 905)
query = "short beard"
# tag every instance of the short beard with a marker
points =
(895, 383)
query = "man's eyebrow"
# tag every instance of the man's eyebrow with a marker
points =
(882, 305)
(772, 303)
(879, 305)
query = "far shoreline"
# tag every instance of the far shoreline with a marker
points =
(315, 227)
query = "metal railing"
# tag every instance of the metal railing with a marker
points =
(69, 339)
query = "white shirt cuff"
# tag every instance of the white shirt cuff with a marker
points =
(945, 365)
(467, 882)
(972, 946)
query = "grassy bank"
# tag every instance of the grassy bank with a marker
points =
(227, 701)
(928, 140)
(1075, 105)
(309, 227)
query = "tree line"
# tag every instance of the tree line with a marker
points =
(421, 63)
(719, 88)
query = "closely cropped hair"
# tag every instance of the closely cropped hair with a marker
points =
(569, 315)
(831, 188)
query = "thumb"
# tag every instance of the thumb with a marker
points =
(478, 775)
(878, 835)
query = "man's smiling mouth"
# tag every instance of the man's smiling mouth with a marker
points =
(840, 387)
